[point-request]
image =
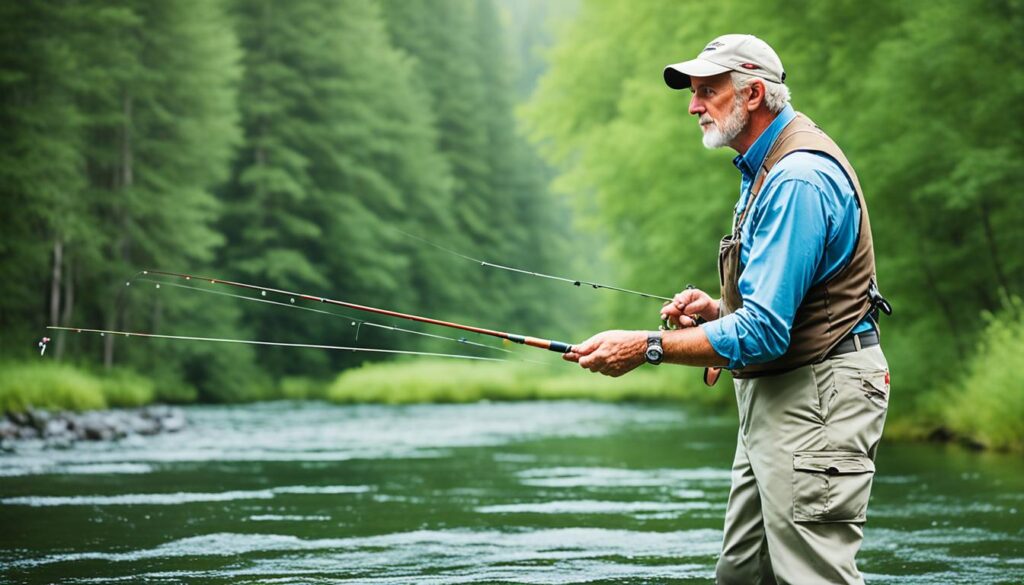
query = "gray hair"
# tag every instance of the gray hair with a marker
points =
(776, 95)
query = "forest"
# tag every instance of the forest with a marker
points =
(295, 144)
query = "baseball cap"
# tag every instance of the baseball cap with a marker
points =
(744, 53)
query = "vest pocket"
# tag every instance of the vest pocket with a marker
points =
(831, 486)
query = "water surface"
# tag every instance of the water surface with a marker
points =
(542, 492)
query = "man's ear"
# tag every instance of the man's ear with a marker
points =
(756, 97)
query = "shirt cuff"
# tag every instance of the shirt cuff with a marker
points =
(724, 342)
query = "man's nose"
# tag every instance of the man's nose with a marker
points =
(696, 106)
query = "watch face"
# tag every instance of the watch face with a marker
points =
(654, 354)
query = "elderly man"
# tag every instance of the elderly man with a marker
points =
(794, 324)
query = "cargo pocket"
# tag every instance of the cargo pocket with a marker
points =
(831, 486)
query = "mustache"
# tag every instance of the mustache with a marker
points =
(706, 119)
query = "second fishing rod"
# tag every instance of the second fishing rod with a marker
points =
(548, 344)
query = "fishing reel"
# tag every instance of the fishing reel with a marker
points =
(697, 319)
(710, 374)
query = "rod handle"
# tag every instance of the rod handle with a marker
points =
(556, 346)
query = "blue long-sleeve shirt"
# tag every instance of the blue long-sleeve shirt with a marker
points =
(801, 230)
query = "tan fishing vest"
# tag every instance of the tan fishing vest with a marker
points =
(831, 309)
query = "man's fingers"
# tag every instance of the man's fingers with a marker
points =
(571, 356)
(587, 346)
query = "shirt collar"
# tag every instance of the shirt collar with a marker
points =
(751, 161)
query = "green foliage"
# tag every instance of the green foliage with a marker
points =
(53, 386)
(462, 381)
(298, 388)
(46, 385)
(986, 405)
(941, 181)
(280, 143)
(283, 143)
(124, 388)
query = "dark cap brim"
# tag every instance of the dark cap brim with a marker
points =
(677, 76)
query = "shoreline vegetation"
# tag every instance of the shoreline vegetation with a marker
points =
(982, 409)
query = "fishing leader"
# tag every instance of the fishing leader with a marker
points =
(795, 324)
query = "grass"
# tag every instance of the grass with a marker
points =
(448, 381)
(54, 386)
(986, 406)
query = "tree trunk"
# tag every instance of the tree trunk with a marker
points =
(69, 305)
(55, 280)
(951, 317)
(993, 250)
(125, 180)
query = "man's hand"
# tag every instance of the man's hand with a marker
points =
(690, 303)
(612, 353)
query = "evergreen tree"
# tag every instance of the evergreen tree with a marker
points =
(339, 152)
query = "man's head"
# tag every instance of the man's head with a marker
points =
(737, 85)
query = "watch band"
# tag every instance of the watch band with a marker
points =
(655, 353)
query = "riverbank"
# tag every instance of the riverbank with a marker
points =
(59, 429)
(983, 410)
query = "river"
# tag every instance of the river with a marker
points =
(534, 492)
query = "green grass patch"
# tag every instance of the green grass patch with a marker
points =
(299, 388)
(420, 381)
(987, 405)
(51, 385)
(125, 388)
(48, 385)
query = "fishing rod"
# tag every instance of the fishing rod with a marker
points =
(710, 374)
(356, 322)
(104, 332)
(548, 344)
(573, 281)
(664, 323)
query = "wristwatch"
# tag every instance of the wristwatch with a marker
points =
(655, 353)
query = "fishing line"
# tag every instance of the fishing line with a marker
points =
(573, 281)
(103, 332)
(354, 320)
(549, 344)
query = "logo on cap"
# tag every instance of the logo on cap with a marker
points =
(749, 66)
(712, 46)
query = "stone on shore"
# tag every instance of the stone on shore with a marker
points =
(62, 429)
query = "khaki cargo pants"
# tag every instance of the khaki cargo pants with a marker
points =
(803, 470)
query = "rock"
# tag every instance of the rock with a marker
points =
(94, 427)
(157, 411)
(38, 418)
(56, 427)
(61, 429)
(18, 418)
(173, 423)
(144, 426)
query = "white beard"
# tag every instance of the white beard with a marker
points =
(718, 136)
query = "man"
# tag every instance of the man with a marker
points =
(794, 325)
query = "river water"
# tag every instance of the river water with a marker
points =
(543, 493)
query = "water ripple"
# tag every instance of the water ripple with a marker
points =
(170, 499)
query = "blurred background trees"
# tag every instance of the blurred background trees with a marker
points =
(922, 96)
(283, 142)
